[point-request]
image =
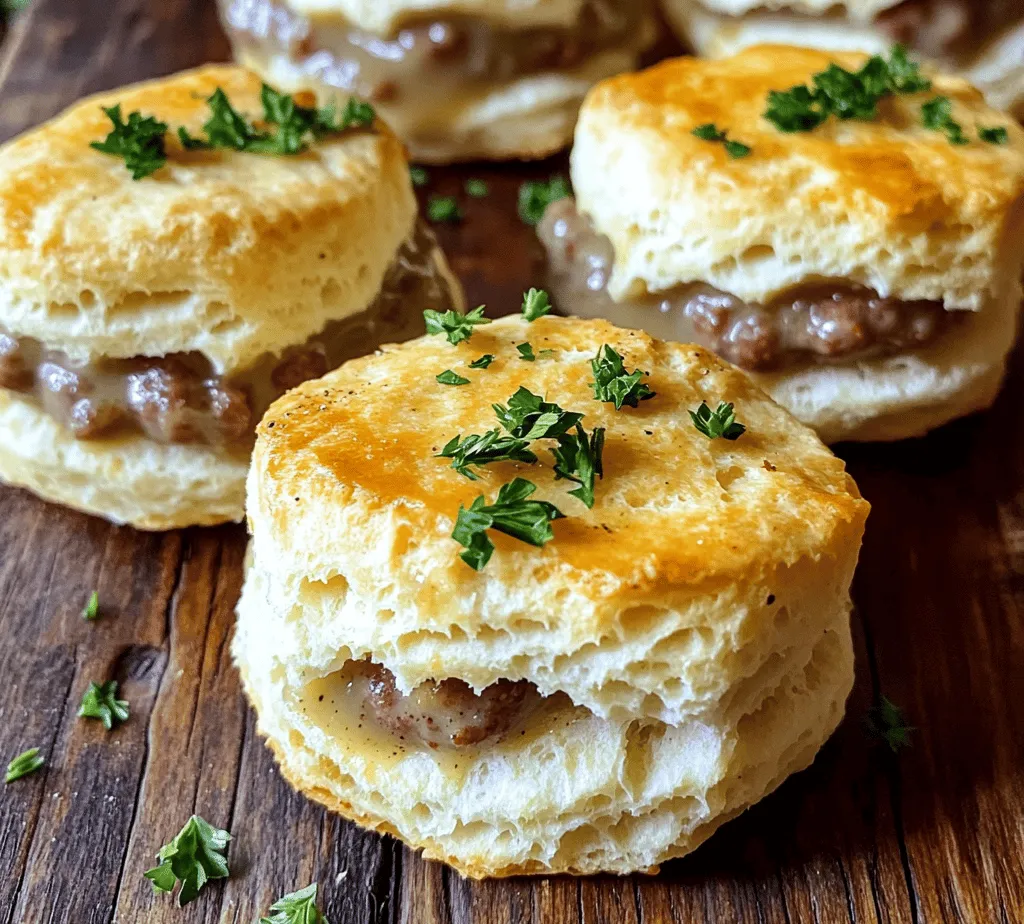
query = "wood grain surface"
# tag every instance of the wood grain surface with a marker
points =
(934, 835)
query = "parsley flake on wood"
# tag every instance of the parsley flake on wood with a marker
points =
(444, 209)
(483, 449)
(578, 458)
(718, 423)
(536, 304)
(482, 362)
(92, 608)
(450, 378)
(844, 94)
(710, 132)
(456, 327)
(296, 908)
(100, 702)
(937, 114)
(195, 856)
(997, 135)
(419, 176)
(536, 195)
(25, 763)
(512, 513)
(476, 189)
(139, 142)
(887, 723)
(613, 384)
(529, 417)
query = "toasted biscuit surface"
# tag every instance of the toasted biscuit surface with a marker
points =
(690, 632)
(857, 10)
(887, 203)
(229, 254)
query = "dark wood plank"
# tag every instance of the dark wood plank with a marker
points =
(934, 835)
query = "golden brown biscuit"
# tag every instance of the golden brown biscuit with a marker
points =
(457, 79)
(867, 270)
(982, 41)
(145, 324)
(662, 663)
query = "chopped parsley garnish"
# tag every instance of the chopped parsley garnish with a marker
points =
(25, 763)
(419, 176)
(997, 135)
(444, 209)
(195, 856)
(718, 423)
(526, 351)
(844, 94)
(482, 362)
(483, 449)
(456, 327)
(476, 189)
(579, 459)
(529, 417)
(536, 195)
(139, 141)
(887, 723)
(536, 304)
(612, 383)
(92, 608)
(100, 702)
(450, 378)
(936, 114)
(710, 132)
(512, 513)
(296, 908)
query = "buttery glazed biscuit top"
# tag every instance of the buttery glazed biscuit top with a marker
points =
(345, 478)
(228, 253)
(886, 203)
(387, 16)
(859, 10)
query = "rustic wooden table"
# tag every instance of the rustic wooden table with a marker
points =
(934, 835)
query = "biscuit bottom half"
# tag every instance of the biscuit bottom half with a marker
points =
(557, 788)
(453, 87)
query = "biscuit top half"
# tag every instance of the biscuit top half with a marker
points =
(385, 17)
(346, 479)
(227, 253)
(885, 203)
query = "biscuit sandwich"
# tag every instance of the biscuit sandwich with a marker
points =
(170, 263)
(566, 613)
(457, 79)
(848, 229)
(981, 39)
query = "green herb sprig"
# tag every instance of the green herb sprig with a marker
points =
(450, 378)
(937, 114)
(91, 611)
(100, 702)
(536, 195)
(536, 304)
(484, 449)
(529, 417)
(193, 858)
(296, 908)
(476, 188)
(456, 327)
(844, 94)
(512, 513)
(718, 423)
(139, 142)
(710, 132)
(578, 458)
(25, 763)
(612, 383)
(482, 362)
(995, 135)
(444, 210)
(887, 723)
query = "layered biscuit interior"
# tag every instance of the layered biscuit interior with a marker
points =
(182, 398)
(428, 66)
(525, 776)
